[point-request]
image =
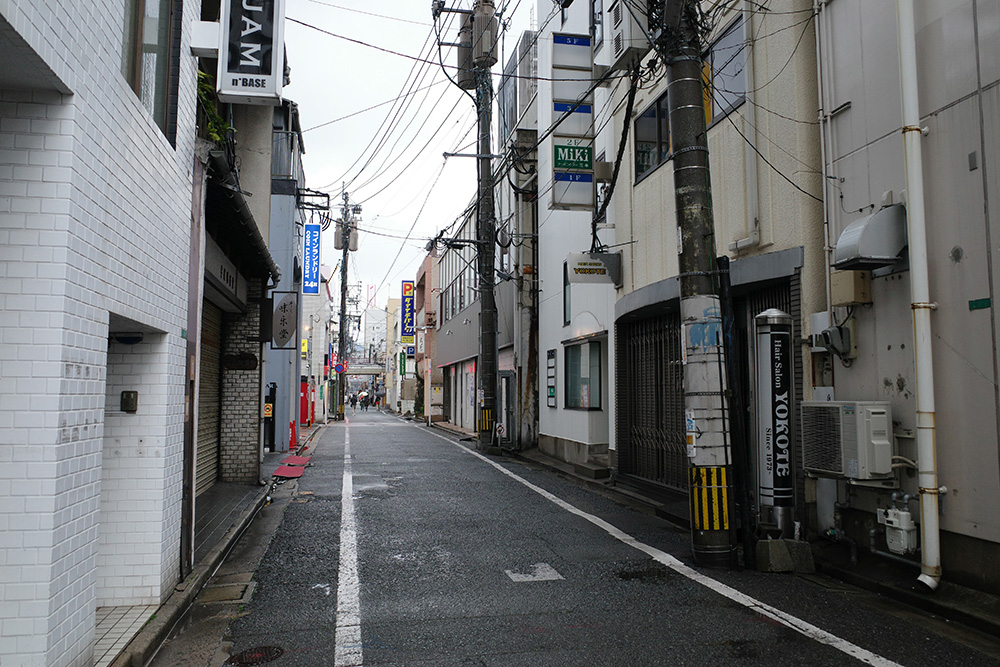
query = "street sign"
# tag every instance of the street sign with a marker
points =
(408, 328)
(573, 189)
(284, 320)
(573, 153)
(268, 410)
(339, 368)
(310, 259)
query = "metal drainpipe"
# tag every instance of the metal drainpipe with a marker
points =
(823, 126)
(930, 565)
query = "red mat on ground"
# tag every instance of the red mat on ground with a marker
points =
(289, 471)
(296, 460)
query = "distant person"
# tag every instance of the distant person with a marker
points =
(354, 404)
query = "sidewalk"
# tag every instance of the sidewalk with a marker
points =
(132, 635)
(972, 608)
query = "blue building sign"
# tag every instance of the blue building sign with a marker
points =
(310, 261)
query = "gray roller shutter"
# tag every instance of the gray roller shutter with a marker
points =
(207, 470)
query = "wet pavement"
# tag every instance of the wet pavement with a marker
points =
(439, 556)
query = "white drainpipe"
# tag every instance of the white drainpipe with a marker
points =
(823, 144)
(930, 542)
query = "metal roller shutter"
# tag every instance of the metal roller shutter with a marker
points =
(207, 470)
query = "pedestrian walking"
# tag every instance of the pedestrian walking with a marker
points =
(354, 404)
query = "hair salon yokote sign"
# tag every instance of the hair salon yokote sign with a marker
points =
(252, 52)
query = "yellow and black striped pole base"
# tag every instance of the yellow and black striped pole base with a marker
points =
(711, 538)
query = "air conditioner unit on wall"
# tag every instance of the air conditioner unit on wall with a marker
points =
(851, 439)
(627, 28)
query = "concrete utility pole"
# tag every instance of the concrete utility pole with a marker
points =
(477, 53)
(701, 319)
(345, 227)
(484, 40)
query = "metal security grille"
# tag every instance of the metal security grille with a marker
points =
(650, 424)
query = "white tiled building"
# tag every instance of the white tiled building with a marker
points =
(94, 250)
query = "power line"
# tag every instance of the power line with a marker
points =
(415, 220)
(374, 106)
(359, 11)
(419, 59)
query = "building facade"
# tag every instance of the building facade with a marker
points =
(430, 387)
(576, 335)
(96, 245)
(957, 82)
(766, 191)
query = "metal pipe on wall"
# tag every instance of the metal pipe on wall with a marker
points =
(823, 146)
(930, 551)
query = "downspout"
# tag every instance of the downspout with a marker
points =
(749, 156)
(823, 143)
(930, 544)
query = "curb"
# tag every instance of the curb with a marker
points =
(141, 649)
(976, 615)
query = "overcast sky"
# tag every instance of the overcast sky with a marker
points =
(390, 156)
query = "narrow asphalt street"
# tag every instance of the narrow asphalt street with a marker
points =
(402, 546)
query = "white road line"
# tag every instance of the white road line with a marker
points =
(722, 589)
(347, 652)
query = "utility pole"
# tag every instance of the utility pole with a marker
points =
(484, 57)
(477, 53)
(710, 470)
(345, 240)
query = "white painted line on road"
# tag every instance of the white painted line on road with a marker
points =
(348, 651)
(722, 589)
(539, 572)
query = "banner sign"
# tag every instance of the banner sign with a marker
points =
(573, 189)
(284, 320)
(571, 51)
(252, 52)
(408, 325)
(585, 267)
(310, 260)
(573, 153)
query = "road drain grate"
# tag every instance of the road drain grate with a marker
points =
(256, 656)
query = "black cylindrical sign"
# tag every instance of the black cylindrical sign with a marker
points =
(776, 483)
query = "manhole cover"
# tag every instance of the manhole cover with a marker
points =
(256, 656)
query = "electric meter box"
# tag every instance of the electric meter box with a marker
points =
(850, 288)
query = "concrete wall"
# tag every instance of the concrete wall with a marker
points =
(92, 225)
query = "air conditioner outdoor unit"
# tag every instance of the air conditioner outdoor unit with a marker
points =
(627, 33)
(851, 439)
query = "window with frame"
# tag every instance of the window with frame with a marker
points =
(597, 23)
(652, 137)
(724, 72)
(583, 376)
(151, 57)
